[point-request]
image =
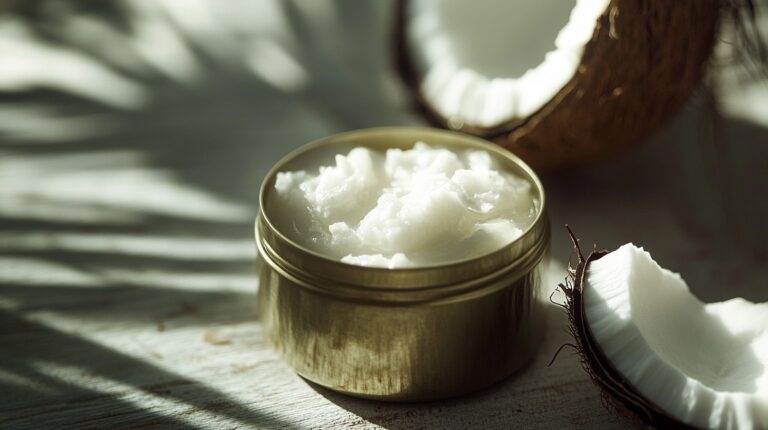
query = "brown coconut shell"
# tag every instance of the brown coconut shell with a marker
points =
(645, 59)
(616, 389)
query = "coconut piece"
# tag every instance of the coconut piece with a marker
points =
(662, 353)
(556, 82)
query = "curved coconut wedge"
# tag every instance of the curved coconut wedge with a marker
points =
(668, 357)
(555, 81)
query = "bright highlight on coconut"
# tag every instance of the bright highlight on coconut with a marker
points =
(472, 73)
(404, 208)
(664, 354)
(557, 82)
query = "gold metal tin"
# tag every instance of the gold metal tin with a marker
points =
(399, 334)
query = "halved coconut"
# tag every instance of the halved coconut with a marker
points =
(555, 81)
(656, 348)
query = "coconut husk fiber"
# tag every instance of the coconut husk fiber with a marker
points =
(645, 59)
(615, 389)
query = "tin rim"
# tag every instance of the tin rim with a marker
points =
(304, 262)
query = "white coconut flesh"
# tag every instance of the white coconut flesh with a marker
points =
(703, 364)
(486, 62)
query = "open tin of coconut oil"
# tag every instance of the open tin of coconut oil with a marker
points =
(401, 334)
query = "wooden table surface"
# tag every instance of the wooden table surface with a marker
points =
(129, 171)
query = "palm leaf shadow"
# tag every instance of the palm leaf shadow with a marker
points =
(65, 404)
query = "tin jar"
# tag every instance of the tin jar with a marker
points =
(408, 334)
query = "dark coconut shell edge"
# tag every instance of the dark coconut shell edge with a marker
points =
(616, 389)
(645, 59)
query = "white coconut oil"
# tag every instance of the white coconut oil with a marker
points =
(405, 208)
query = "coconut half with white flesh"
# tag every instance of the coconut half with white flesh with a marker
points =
(668, 357)
(557, 82)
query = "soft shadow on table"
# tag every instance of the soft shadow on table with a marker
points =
(129, 126)
(57, 399)
(117, 288)
(434, 414)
